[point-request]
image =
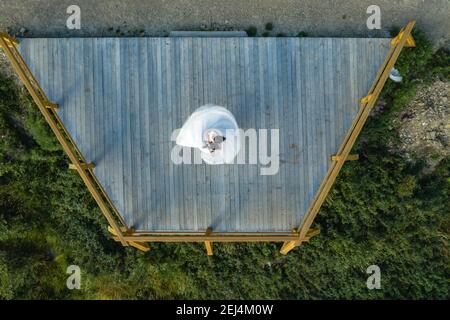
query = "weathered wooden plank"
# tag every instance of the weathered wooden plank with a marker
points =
(330, 99)
(144, 134)
(284, 129)
(122, 98)
(152, 100)
(161, 187)
(297, 123)
(233, 93)
(117, 148)
(320, 116)
(98, 111)
(261, 120)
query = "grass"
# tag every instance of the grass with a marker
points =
(382, 210)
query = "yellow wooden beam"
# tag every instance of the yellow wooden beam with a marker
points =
(126, 230)
(211, 238)
(209, 248)
(368, 103)
(289, 245)
(208, 244)
(10, 41)
(409, 39)
(396, 40)
(84, 166)
(366, 99)
(350, 157)
(140, 245)
(135, 244)
(50, 105)
(112, 231)
(311, 233)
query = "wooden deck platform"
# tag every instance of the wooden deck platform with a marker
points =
(121, 98)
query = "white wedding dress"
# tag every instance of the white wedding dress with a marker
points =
(207, 119)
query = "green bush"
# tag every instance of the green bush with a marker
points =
(382, 210)
(252, 31)
(269, 26)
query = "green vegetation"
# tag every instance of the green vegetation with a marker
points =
(252, 31)
(269, 26)
(381, 211)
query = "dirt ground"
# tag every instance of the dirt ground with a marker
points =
(425, 125)
(47, 18)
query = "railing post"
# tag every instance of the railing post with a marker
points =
(208, 244)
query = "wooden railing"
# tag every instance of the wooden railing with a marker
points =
(404, 38)
(127, 236)
(78, 162)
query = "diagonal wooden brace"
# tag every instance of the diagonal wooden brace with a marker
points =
(289, 245)
(366, 99)
(350, 157)
(50, 105)
(138, 245)
(10, 41)
(84, 166)
(409, 40)
(311, 233)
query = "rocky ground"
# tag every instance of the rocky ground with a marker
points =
(338, 18)
(6, 69)
(424, 126)
(4, 64)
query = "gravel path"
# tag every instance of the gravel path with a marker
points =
(46, 18)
